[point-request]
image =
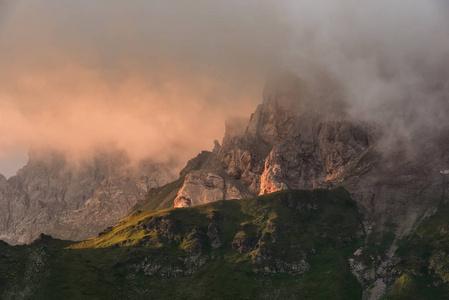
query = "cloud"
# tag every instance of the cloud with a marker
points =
(389, 57)
(159, 78)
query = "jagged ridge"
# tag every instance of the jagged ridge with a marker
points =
(71, 200)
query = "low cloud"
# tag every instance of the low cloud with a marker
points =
(159, 78)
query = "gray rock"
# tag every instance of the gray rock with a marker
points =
(242, 242)
(213, 232)
(73, 201)
(300, 138)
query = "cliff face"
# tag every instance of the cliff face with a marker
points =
(289, 143)
(301, 139)
(52, 195)
(296, 139)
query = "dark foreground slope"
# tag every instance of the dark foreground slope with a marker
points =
(424, 260)
(286, 245)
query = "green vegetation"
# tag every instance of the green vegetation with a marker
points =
(378, 242)
(161, 197)
(290, 244)
(424, 260)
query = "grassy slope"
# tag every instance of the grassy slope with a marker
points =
(99, 268)
(161, 197)
(425, 260)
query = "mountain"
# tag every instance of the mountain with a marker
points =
(303, 201)
(301, 138)
(70, 200)
(290, 142)
(295, 244)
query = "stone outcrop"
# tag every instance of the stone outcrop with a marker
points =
(73, 201)
(290, 142)
(242, 242)
(201, 187)
(213, 232)
(374, 272)
(301, 138)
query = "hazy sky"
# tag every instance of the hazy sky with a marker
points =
(159, 78)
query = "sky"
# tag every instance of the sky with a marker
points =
(159, 78)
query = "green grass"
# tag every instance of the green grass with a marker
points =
(161, 197)
(323, 226)
(424, 260)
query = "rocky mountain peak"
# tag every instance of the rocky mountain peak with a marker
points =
(286, 144)
(300, 138)
(284, 98)
(73, 200)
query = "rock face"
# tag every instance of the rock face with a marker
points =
(299, 139)
(287, 144)
(68, 201)
(201, 187)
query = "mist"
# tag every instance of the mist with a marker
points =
(159, 78)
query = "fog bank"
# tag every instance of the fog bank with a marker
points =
(159, 78)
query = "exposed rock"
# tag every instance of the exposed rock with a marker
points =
(374, 272)
(200, 188)
(301, 138)
(167, 228)
(213, 234)
(205, 186)
(204, 160)
(242, 242)
(194, 242)
(73, 201)
(289, 143)
(185, 266)
(296, 139)
(265, 262)
(271, 179)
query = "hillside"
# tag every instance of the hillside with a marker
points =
(289, 244)
(424, 261)
(291, 234)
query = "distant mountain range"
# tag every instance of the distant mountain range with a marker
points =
(51, 194)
